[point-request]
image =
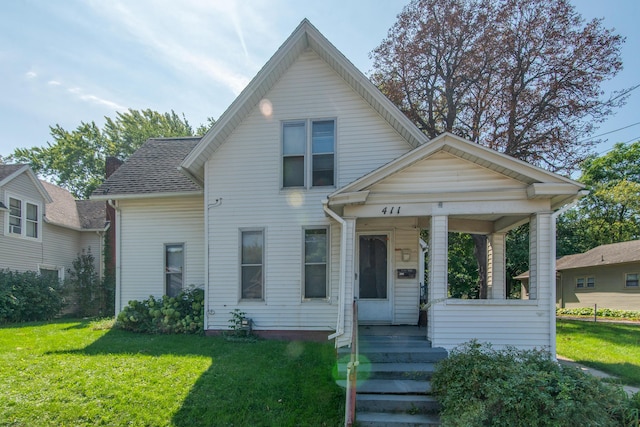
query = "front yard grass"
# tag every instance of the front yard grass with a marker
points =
(73, 373)
(609, 347)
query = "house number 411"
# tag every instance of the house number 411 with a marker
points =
(394, 210)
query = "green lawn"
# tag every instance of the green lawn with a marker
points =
(609, 347)
(72, 373)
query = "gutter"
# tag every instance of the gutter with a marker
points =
(343, 263)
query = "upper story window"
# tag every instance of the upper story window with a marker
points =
(631, 280)
(308, 153)
(24, 218)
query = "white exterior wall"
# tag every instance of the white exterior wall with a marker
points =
(245, 173)
(145, 227)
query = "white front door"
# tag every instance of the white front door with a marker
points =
(373, 280)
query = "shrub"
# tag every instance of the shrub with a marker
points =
(602, 312)
(93, 296)
(28, 296)
(183, 314)
(479, 386)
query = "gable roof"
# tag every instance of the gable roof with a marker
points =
(10, 172)
(65, 211)
(603, 255)
(151, 171)
(541, 183)
(304, 37)
(614, 253)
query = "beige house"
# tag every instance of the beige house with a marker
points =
(606, 276)
(310, 192)
(42, 227)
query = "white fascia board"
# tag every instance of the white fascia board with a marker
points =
(354, 198)
(548, 189)
(138, 196)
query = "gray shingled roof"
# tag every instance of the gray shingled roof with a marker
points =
(68, 212)
(153, 168)
(614, 253)
(6, 170)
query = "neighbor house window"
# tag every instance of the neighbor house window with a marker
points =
(51, 272)
(24, 218)
(315, 263)
(308, 153)
(585, 282)
(252, 264)
(631, 280)
(174, 268)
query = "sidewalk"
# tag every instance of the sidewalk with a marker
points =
(629, 389)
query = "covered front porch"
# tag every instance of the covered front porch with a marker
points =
(448, 185)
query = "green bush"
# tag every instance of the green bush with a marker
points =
(602, 312)
(28, 296)
(479, 386)
(183, 314)
(94, 296)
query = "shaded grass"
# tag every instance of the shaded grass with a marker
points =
(76, 373)
(612, 348)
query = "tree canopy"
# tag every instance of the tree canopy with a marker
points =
(611, 211)
(76, 159)
(521, 76)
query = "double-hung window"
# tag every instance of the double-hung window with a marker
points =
(315, 262)
(251, 265)
(174, 268)
(631, 280)
(308, 153)
(585, 282)
(24, 218)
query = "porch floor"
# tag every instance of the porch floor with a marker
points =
(392, 330)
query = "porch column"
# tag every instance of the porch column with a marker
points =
(541, 244)
(496, 278)
(438, 258)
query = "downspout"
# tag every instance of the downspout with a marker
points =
(118, 243)
(552, 272)
(343, 263)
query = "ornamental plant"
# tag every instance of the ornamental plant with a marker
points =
(182, 314)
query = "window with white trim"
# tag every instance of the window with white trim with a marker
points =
(316, 251)
(631, 280)
(23, 219)
(308, 153)
(174, 268)
(586, 282)
(51, 271)
(252, 264)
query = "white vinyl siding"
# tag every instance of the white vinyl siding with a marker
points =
(146, 226)
(310, 90)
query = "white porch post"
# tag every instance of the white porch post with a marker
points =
(542, 268)
(438, 258)
(496, 266)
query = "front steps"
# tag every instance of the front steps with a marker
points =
(394, 375)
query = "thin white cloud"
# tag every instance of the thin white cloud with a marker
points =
(54, 83)
(31, 74)
(206, 38)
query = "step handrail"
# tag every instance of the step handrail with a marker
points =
(352, 371)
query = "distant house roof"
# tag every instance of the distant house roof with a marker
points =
(152, 170)
(6, 170)
(614, 253)
(68, 212)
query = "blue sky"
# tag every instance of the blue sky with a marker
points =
(63, 62)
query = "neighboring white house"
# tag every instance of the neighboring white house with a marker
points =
(42, 227)
(310, 191)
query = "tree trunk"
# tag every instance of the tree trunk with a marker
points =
(480, 252)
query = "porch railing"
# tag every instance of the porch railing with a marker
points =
(352, 370)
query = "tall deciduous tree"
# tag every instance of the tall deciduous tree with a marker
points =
(75, 160)
(611, 211)
(520, 76)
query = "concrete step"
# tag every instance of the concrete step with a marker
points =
(385, 419)
(408, 371)
(397, 403)
(402, 354)
(390, 386)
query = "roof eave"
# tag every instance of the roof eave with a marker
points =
(115, 196)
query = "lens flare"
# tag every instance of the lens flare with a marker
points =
(295, 199)
(266, 108)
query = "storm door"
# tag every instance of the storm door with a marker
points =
(373, 290)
